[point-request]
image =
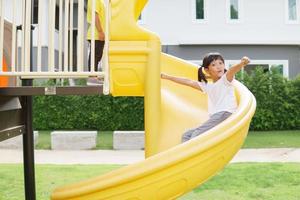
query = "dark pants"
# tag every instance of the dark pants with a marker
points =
(99, 45)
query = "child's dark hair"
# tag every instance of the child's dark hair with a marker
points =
(208, 58)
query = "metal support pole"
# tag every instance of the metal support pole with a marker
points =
(28, 146)
(28, 141)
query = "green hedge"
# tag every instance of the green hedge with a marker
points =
(278, 100)
(278, 107)
(88, 112)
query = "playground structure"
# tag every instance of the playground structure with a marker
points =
(133, 64)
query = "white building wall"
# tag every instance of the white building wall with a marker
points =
(263, 22)
(8, 10)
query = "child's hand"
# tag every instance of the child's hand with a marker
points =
(102, 36)
(163, 75)
(245, 61)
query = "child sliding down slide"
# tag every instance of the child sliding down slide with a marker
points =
(221, 99)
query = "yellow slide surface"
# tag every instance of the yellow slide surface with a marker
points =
(170, 169)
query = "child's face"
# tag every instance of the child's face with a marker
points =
(216, 69)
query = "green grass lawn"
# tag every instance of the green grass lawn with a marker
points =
(272, 139)
(44, 141)
(105, 140)
(255, 181)
(251, 182)
(255, 139)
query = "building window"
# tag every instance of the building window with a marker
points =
(57, 17)
(292, 10)
(234, 9)
(35, 11)
(199, 10)
(36, 14)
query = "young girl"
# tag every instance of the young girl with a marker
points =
(221, 99)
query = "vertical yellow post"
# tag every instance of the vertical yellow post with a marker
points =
(152, 96)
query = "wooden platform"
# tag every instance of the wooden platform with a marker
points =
(51, 90)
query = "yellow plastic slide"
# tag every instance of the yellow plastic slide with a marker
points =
(171, 169)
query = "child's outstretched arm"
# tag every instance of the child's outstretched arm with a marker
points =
(236, 68)
(181, 80)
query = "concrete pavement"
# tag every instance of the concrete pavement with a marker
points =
(129, 157)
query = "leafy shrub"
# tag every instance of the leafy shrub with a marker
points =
(278, 107)
(278, 100)
(88, 112)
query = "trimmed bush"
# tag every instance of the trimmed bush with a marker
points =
(278, 100)
(278, 107)
(88, 112)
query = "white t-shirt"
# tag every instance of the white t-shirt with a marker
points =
(220, 95)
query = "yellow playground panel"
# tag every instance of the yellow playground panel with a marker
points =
(170, 168)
